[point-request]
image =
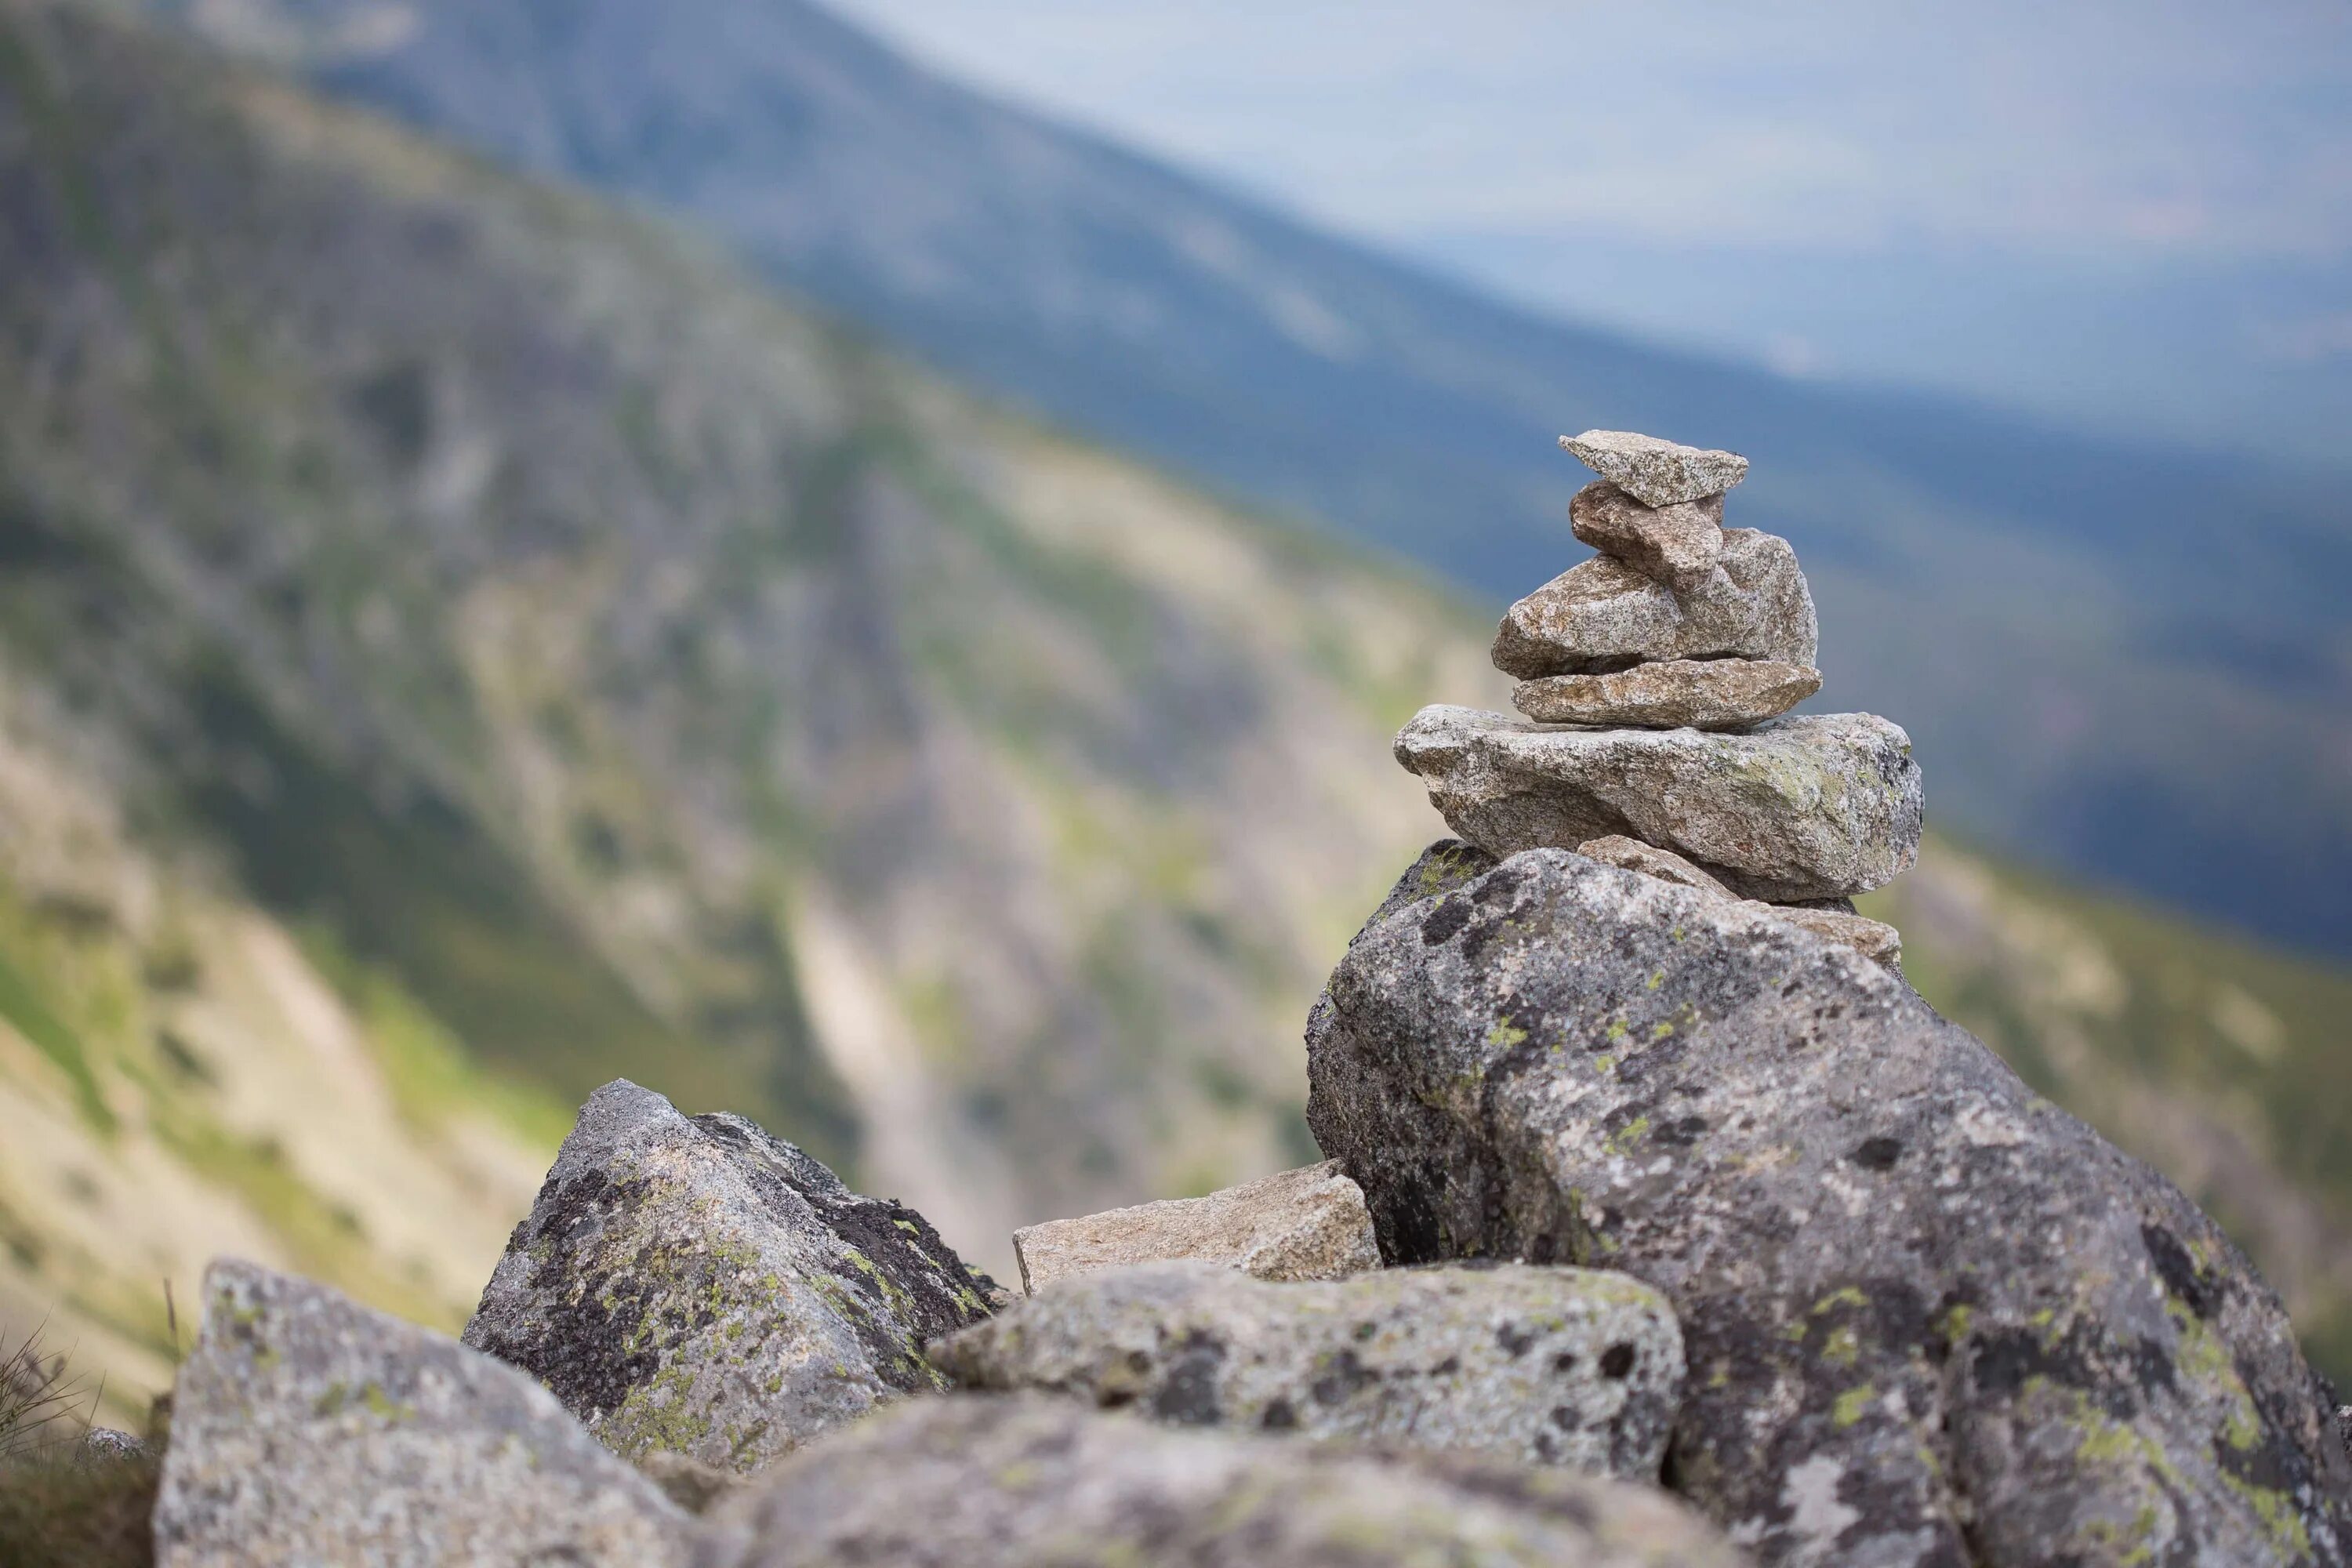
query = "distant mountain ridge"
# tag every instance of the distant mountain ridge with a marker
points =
(2133, 664)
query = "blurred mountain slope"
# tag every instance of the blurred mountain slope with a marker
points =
(2130, 663)
(456, 643)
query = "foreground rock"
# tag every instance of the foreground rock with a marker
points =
(1930, 1319)
(1308, 1223)
(1704, 694)
(1818, 806)
(1604, 615)
(1540, 1365)
(1677, 545)
(1658, 473)
(984, 1481)
(306, 1429)
(692, 1285)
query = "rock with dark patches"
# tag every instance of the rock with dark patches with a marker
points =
(1703, 693)
(1604, 615)
(308, 1429)
(1656, 472)
(1562, 1366)
(1677, 546)
(1931, 1318)
(1308, 1223)
(694, 1286)
(1018, 1480)
(1816, 807)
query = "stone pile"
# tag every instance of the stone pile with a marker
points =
(1654, 678)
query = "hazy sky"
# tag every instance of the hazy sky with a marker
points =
(2070, 202)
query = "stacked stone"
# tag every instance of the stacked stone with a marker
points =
(1655, 679)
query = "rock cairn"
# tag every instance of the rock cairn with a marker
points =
(1655, 679)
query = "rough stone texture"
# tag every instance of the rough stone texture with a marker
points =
(1874, 940)
(1814, 806)
(1658, 473)
(1930, 1318)
(1308, 1223)
(309, 1430)
(1602, 614)
(1541, 1365)
(1633, 855)
(1704, 694)
(1020, 1481)
(692, 1285)
(106, 1445)
(1674, 545)
(2344, 1422)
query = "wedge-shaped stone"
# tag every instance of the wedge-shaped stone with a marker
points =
(1540, 1365)
(1308, 1223)
(1657, 472)
(1677, 545)
(306, 1429)
(1817, 807)
(1874, 940)
(1699, 694)
(1022, 1481)
(692, 1285)
(1604, 614)
(1930, 1318)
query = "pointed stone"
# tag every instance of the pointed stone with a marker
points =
(1676, 544)
(1658, 473)
(1633, 855)
(1308, 1223)
(1604, 616)
(1704, 694)
(691, 1285)
(1815, 806)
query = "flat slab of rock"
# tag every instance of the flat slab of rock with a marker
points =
(1814, 806)
(308, 1429)
(1563, 1366)
(1699, 694)
(1308, 1223)
(1677, 545)
(694, 1286)
(1604, 614)
(1874, 940)
(1930, 1318)
(1017, 1482)
(1658, 473)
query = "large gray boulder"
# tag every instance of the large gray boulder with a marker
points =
(1930, 1318)
(1821, 805)
(691, 1285)
(1308, 1224)
(1015, 1481)
(1566, 1366)
(306, 1430)
(1604, 615)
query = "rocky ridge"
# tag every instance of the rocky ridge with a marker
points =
(1635, 1185)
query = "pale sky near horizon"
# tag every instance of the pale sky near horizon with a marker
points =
(1818, 185)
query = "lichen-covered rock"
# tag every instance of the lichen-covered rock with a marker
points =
(1816, 807)
(1930, 1318)
(1674, 545)
(1604, 614)
(1658, 473)
(1308, 1223)
(1566, 1366)
(1020, 1481)
(1702, 693)
(691, 1284)
(309, 1430)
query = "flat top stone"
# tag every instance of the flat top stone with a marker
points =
(309, 1429)
(1660, 473)
(1567, 1366)
(1308, 1224)
(1702, 693)
(1023, 1481)
(694, 1286)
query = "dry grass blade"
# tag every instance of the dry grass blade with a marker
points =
(35, 1397)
